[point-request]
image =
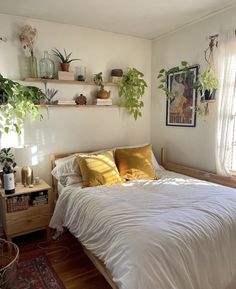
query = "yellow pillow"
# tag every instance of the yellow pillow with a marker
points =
(98, 169)
(135, 163)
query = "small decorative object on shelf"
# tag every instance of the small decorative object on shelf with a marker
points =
(102, 93)
(81, 73)
(66, 102)
(65, 59)
(50, 93)
(66, 75)
(46, 67)
(100, 101)
(116, 75)
(80, 99)
(27, 38)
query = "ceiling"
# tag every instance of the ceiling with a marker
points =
(142, 18)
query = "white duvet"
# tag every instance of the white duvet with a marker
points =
(173, 233)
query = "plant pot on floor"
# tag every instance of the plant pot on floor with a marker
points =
(65, 66)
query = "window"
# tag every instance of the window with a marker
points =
(233, 152)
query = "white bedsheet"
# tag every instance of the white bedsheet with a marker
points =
(173, 233)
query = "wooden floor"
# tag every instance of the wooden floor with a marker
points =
(67, 258)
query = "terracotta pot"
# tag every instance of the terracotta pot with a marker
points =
(103, 94)
(65, 66)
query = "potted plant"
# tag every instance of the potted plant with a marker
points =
(19, 104)
(207, 84)
(131, 89)
(65, 59)
(102, 93)
(7, 161)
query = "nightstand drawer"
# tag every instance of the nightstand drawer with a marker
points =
(27, 220)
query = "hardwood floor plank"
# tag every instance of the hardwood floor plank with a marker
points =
(66, 255)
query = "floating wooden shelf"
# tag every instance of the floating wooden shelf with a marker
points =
(208, 101)
(76, 106)
(67, 81)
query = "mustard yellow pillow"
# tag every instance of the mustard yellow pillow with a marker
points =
(135, 163)
(98, 169)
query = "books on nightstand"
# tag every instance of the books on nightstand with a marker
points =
(39, 198)
(107, 101)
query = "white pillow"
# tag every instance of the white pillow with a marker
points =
(67, 170)
(66, 167)
(71, 180)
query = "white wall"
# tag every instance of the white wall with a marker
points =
(70, 129)
(189, 146)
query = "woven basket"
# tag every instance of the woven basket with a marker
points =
(9, 254)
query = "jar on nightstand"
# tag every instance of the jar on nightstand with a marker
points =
(46, 67)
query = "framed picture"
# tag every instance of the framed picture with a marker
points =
(181, 105)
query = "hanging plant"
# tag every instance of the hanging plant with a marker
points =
(131, 90)
(17, 103)
(206, 84)
(163, 76)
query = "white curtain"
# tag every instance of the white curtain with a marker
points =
(226, 67)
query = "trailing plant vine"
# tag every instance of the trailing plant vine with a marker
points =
(207, 82)
(131, 89)
(17, 103)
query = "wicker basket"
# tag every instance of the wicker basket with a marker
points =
(9, 254)
(18, 203)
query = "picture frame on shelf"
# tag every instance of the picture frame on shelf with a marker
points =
(181, 105)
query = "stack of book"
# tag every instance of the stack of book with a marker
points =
(66, 102)
(39, 198)
(107, 101)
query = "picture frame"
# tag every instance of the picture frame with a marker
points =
(181, 104)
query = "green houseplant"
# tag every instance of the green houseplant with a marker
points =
(65, 59)
(17, 103)
(131, 89)
(163, 76)
(206, 84)
(98, 80)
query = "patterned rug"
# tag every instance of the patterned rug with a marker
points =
(36, 272)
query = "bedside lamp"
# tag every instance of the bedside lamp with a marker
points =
(26, 157)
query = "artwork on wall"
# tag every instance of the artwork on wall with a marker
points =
(181, 106)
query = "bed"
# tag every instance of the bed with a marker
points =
(176, 232)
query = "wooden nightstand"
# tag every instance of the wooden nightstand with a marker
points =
(26, 211)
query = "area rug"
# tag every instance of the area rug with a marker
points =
(36, 272)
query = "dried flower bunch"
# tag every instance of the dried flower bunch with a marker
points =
(27, 38)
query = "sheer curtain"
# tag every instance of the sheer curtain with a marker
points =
(226, 66)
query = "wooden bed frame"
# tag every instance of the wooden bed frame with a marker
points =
(199, 174)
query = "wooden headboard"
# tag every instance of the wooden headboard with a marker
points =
(199, 174)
